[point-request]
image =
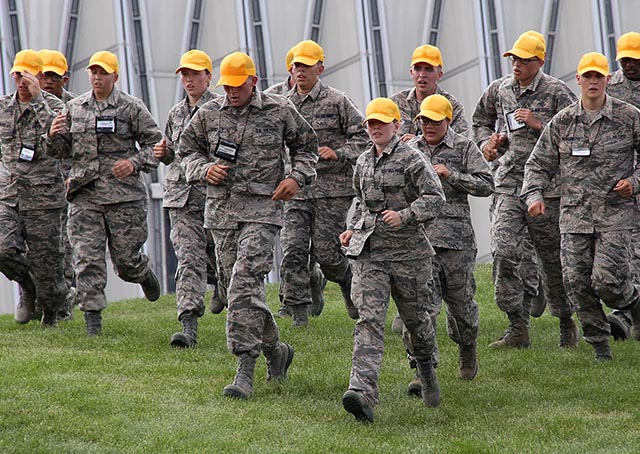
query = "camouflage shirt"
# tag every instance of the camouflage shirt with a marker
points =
(401, 179)
(338, 124)
(625, 89)
(29, 179)
(261, 130)
(469, 174)
(94, 153)
(280, 88)
(590, 159)
(410, 107)
(177, 191)
(545, 96)
(67, 95)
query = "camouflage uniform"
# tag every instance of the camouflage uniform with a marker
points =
(69, 273)
(410, 107)
(485, 122)
(185, 203)
(317, 214)
(595, 222)
(31, 199)
(102, 208)
(243, 217)
(629, 91)
(391, 261)
(452, 235)
(281, 88)
(545, 96)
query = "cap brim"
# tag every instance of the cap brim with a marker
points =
(380, 117)
(102, 65)
(304, 60)
(434, 63)
(593, 68)
(431, 115)
(519, 53)
(628, 54)
(191, 66)
(53, 69)
(22, 69)
(232, 81)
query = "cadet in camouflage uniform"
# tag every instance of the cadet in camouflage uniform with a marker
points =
(594, 145)
(525, 102)
(106, 194)
(237, 147)
(426, 71)
(185, 202)
(317, 280)
(315, 217)
(463, 171)
(31, 194)
(485, 119)
(397, 191)
(625, 85)
(54, 70)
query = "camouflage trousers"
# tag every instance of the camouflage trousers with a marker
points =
(529, 269)
(408, 282)
(244, 257)
(310, 234)
(597, 267)
(510, 225)
(193, 247)
(453, 282)
(30, 242)
(67, 250)
(123, 228)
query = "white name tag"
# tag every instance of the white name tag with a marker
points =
(580, 152)
(512, 123)
(27, 154)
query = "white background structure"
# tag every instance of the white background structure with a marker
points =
(367, 43)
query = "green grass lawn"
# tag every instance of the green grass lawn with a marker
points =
(127, 391)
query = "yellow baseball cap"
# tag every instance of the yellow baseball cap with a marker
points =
(629, 46)
(28, 61)
(382, 109)
(527, 46)
(593, 61)
(195, 59)
(537, 35)
(106, 60)
(427, 54)
(435, 107)
(53, 61)
(289, 58)
(307, 52)
(235, 68)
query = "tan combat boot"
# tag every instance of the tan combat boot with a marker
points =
(242, 386)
